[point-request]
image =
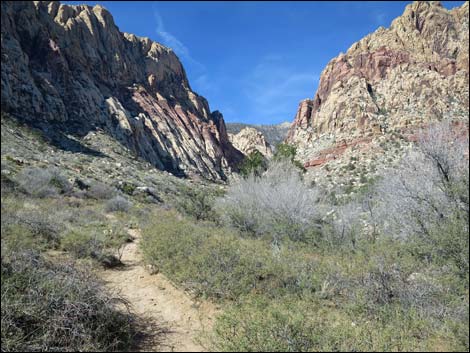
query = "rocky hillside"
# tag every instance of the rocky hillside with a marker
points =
(249, 139)
(385, 86)
(69, 69)
(273, 134)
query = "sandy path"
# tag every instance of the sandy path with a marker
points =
(172, 321)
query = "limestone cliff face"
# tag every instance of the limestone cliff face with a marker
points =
(249, 139)
(69, 67)
(394, 79)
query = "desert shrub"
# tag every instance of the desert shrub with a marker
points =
(28, 227)
(43, 182)
(82, 244)
(104, 247)
(255, 163)
(425, 200)
(100, 191)
(278, 204)
(127, 188)
(263, 326)
(118, 203)
(217, 263)
(8, 183)
(197, 203)
(286, 152)
(35, 225)
(259, 325)
(58, 307)
(429, 186)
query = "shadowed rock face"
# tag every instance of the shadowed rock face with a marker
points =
(70, 68)
(413, 73)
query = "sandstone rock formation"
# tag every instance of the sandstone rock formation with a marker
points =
(273, 133)
(393, 80)
(70, 68)
(248, 140)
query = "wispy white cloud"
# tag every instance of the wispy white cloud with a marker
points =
(275, 87)
(380, 18)
(174, 43)
(204, 84)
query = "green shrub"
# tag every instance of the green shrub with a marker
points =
(217, 263)
(255, 163)
(286, 152)
(446, 245)
(57, 307)
(128, 188)
(260, 325)
(103, 247)
(197, 203)
(82, 244)
(264, 326)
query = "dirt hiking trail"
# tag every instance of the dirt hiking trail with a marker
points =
(171, 321)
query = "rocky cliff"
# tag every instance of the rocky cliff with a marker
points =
(69, 68)
(391, 81)
(249, 139)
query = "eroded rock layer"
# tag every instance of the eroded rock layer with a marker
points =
(70, 68)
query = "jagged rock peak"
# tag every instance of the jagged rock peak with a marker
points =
(70, 68)
(249, 139)
(404, 76)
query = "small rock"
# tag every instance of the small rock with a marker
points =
(153, 270)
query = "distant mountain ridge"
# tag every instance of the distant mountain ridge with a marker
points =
(274, 134)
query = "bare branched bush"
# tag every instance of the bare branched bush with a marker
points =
(352, 222)
(40, 225)
(43, 182)
(118, 203)
(346, 226)
(429, 186)
(100, 191)
(58, 307)
(425, 199)
(383, 284)
(278, 203)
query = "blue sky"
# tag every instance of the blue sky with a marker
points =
(254, 61)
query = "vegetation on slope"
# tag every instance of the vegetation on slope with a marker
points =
(293, 267)
(300, 274)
